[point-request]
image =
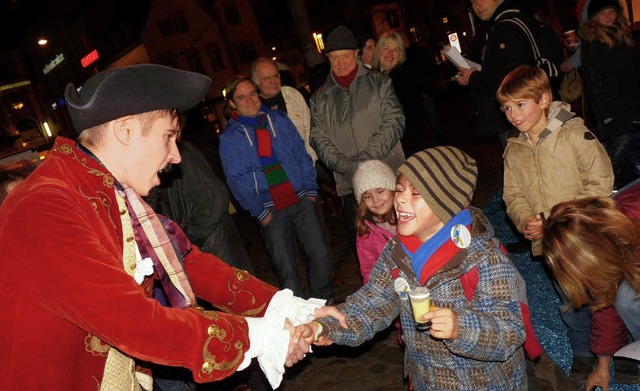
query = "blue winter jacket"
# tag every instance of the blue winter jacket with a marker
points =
(241, 165)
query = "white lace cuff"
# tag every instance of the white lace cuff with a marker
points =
(298, 311)
(270, 344)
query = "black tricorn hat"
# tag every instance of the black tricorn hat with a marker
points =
(134, 89)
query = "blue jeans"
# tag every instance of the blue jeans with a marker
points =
(299, 221)
(578, 322)
(628, 308)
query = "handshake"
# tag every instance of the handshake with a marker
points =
(304, 335)
(286, 332)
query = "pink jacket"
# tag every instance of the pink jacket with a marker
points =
(369, 247)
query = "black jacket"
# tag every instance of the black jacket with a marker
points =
(612, 81)
(506, 48)
(196, 199)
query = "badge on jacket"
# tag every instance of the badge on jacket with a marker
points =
(460, 236)
(401, 287)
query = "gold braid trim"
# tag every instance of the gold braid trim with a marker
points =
(210, 360)
(108, 181)
(236, 287)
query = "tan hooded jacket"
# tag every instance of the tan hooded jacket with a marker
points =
(567, 163)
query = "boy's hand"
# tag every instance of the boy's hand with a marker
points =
(444, 323)
(533, 228)
(333, 312)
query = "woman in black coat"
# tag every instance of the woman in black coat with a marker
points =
(612, 81)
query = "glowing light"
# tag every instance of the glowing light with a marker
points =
(17, 105)
(42, 41)
(47, 129)
(273, 48)
(274, 58)
(319, 42)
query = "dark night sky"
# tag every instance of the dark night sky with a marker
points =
(18, 17)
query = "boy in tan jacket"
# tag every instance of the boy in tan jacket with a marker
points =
(551, 158)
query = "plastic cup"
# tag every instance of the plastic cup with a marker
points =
(420, 298)
(570, 38)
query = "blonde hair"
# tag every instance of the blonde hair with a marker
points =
(591, 247)
(382, 42)
(94, 136)
(619, 33)
(524, 82)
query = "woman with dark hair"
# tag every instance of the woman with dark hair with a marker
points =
(593, 249)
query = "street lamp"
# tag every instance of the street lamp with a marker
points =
(319, 42)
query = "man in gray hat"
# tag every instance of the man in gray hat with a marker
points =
(355, 116)
(96, 284)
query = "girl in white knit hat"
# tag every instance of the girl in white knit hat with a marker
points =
(373, 186)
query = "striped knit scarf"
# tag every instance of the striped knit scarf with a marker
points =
(282, 193)
(154, 242)
(429, 257)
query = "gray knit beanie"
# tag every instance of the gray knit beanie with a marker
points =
(372, 174)
(445, 177)
(341, 38)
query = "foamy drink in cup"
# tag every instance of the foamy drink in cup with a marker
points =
(420, 304)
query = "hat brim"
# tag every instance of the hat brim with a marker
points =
(131, 90)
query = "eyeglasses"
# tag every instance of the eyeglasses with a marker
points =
(272, 77)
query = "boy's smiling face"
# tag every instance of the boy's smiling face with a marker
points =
(415, 217)
(526, 114)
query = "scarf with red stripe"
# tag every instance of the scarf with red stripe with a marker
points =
(429, 257)
(282, 193)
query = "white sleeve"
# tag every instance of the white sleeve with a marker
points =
(270, 344)
(298, 311)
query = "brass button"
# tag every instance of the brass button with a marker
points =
(207, 367)
(212, 330)
(132, 267)
(122, 212)
(130, 239)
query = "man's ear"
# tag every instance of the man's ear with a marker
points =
(233, 105)
(123, 129)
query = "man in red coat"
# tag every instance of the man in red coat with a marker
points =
(82, 252)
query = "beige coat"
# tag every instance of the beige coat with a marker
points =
(567, 163)
(299, 113)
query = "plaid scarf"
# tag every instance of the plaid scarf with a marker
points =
(282, 193)
(154, 242)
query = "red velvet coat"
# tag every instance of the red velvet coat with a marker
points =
(65, 295)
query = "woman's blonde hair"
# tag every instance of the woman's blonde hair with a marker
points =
(363, 213)
(591, 247)
(619, 33)
(396, 38)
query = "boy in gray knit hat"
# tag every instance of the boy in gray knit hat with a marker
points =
(477, 331)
